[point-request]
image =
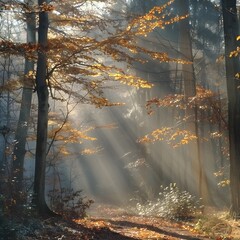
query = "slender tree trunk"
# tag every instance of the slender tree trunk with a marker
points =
(23, 122)
(196, 180)
(231, 30)
(42, 124)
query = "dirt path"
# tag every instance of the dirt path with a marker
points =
(145, 228)
(137, 227)
(110, 223)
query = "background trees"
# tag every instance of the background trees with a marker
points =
(26, 105)
(231, 31)
(83, 55)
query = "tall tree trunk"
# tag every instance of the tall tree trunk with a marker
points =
(230, 21)
(42, 123)
(23, 122)
(196, 180)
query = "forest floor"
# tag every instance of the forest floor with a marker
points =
(112, 223)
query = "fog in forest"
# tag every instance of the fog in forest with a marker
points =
(118, 167)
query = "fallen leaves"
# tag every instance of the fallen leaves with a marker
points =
(114, 223)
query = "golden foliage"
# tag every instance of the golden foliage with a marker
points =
(235, 53)
(25, 49)
(11, 85)
(64, 131)
(220, 58)
(224, 183)
(155, 18)
(69, 134)
(90, 151)
(237, 75)
(131, 80)
(216, 135)
(202, 100)
(100, 102)
(25, 7)
(174, 137)
(79, 56)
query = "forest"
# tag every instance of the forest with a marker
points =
(119, 119)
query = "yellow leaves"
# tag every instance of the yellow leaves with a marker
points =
(69, 134)
(155, 18)
(141, 233)
(100, 102)
(26, 49)
(131, 80)
(27, 8)
(176, 100)
(61, 130)
(173, 137)
(156, 135)
(235, 53)
(90, 151)
(10, 86)
(63, 150)
(224, 183)
(45, 7)
(163, 57)
(202, 100)
(220, 58)
(237, 75)
(182, 137)
(216, 135)
(7, 6)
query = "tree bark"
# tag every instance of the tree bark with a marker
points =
(42, 124)
(230, 21)
(23, 122)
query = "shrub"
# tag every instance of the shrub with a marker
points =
(68, 202)
(172, 204)
(214, 226)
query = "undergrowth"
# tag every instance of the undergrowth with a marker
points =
(172, 203)
(69, 203)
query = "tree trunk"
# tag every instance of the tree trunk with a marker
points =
(196, 180)
(230, 21)
(42, 124)
(23, 122)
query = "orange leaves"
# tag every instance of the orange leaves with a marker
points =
(182, 137)
(176, 100)
(45, 7)
(235, 53)
(131, 80)
(205, 100)
(202, 100)
(155, 18)
(69, 134)
(156, 135)
(174, 137)
(141, 233)
(27, 49)
(27, 8)
(100, 102)
(86, 50)
(10, 86)
(90, 151)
